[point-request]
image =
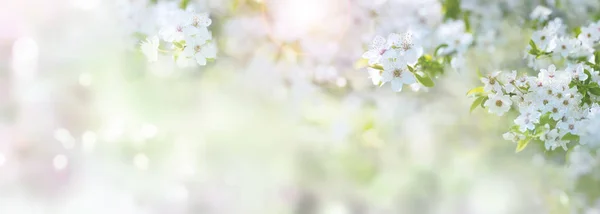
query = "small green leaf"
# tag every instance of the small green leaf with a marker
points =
(476, 103)
(545, 119)
(467, 21)
(586, 71)
(577, 31)
(483, 101)
(183, 4)
(451, 9)
(570, 137)
(595, 91)
(179, 45)
(522, 144)
(425, 80)
(515, 129)
(533, 46)
(533, 52)
(431, 67)
(475, 91)
(378, 67)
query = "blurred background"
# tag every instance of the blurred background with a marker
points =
(283, 121)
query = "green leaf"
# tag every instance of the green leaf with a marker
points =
(545, 119)
(183, 4)
(179, 45)
(570, 137)
(425, 80)
(539, 131)
(522, 144)
(475, 91)
(482, 102)
(429, 66)
(577, 31)
(597, 57)
(477, 102)
(533, 46)
(515, 129)
(466, 15)
(378, 67)
(595, 90)
(451, 9)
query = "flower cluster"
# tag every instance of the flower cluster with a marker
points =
(552, 43)
(186, 38)
(459, 40)
(552, 106)
(556, 105)
(393, 60)
(446, 33)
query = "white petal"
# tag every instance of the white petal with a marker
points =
(203, 34)
(201, 60)
(411, 57)
(394, 39)
(204, 20)
(388, 65)
(167, 33)
(150, 49)
(370, 54)
(408, 78)
(188, 51)
(183, 62)
(190, 30)
(378, 42)
(375, 75)
(387, 75)
(155, 42)
(209, 50)
(397, 85)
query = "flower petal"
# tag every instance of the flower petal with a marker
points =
(209, 50)
(397, 84)
(201, 60)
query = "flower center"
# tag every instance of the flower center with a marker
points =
(571, 126)
(195, 21)
(197, 48)
(499, 103)
(397, 73)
